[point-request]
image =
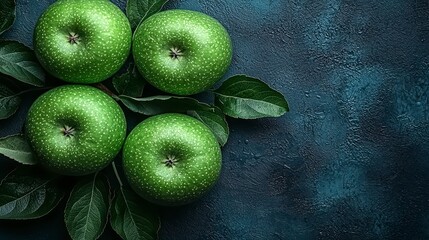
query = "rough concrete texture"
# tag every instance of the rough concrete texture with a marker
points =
(350, 161)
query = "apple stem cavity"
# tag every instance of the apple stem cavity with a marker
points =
(170, 161)
(73, 38)
(68, 131)
(175, 53)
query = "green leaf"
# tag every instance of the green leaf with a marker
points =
(163, 104)
(139, 10)
(130, 83)
(211, 116)
(132, 217)
(19, 61)
(17, 148)
(86, 211)
(215, 120)
(28, 193)
(9, 102)
(249, 98)
(7, 14)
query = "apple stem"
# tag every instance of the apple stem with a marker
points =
(175, 53)
(73, 38)
(115, 170)
(68, 131)
(170, 161)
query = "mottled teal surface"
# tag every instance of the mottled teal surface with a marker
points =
(351, 159)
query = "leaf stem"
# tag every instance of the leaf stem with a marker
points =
(103, 88)
(115, 170)
(32, 90)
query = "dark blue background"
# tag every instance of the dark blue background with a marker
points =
(350, 161)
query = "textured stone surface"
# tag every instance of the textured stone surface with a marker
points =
(350, 161)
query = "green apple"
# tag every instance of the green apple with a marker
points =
(82, 41)
(182, 52)
(171, 159)
(75, 129)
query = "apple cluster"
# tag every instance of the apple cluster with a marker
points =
(77, 129)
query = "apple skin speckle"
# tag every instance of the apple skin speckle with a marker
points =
(82, 41)
(182, 52)
(75, 129)
(188, 143)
